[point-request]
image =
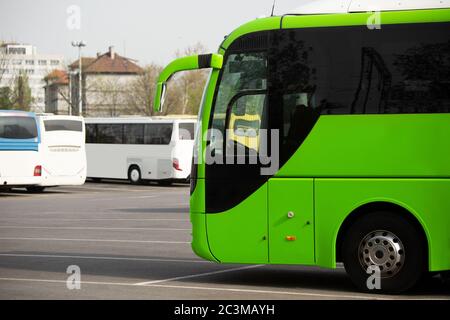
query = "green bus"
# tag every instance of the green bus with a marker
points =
(356, 105)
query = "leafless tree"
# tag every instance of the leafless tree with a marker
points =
(142, 91)
(192, 83)
(106, 95)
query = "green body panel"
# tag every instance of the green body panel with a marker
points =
(293, 196)
(197, 200)
(409, 145)
(240, 234)
(199, 236)
(205, 116)
(426, 199)
(346, 162)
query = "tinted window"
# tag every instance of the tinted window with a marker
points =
(18, 128)
(110, 133)
(133, 133)
(354, 70)
(186, 131)
(63, 125)
(91, 133)
(158, 133)
(242, 72)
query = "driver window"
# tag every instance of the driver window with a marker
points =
(246, 118)
(242, 72)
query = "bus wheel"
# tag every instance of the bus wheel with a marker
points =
(383, 253)
(35, 189)
(134, 175)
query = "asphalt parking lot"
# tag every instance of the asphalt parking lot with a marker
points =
(133, 242)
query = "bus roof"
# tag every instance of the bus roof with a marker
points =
(137, 120)
(340, 13)
(16, 113)
(348, 6)
(49, 116)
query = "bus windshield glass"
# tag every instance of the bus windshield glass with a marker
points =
(18, 128)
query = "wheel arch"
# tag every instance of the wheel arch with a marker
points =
(133, 165)
(396, 208)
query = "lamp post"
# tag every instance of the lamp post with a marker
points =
(79, 44)
(71, 76)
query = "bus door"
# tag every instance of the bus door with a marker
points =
(236, 192)
(291, 221)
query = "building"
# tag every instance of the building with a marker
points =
(106, 81)
(16, 59)
(57, 98)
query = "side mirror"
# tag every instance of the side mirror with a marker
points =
(197, 62)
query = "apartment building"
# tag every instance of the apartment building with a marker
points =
(22, 58)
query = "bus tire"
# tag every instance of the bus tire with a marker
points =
(35, 189)
(386, 244)
(134, 175)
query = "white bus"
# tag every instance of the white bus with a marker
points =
(20, 161)
(140, 148)
(62, 150)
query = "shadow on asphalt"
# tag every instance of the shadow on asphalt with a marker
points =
(270, 277)
(153, 210)
(144, 183)
(18, 192)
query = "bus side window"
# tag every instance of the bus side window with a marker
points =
(91, 133)
(158, 133)
(186, 131)
(133, 133)
(110, 133)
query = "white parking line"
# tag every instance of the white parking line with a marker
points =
(197, 275)
(277, 293)
(97, 240)
(47, 256)
(93, 228)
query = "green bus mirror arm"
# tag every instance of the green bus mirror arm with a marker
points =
(202, 61)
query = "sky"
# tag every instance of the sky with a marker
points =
(145, 30)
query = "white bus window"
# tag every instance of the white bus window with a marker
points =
(63, 125)
(110, 133)
(158, 133)
(91, 133)
(133, 133)
(18, 128)
(186, 131)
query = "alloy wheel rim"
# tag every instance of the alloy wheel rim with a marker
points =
(382, 249)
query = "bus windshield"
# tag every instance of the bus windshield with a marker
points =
(18, 128)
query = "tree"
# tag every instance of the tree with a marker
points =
(142, 91)
(107, 94)
(17, 97)
(192, 83)
(184, 90)
(3, 61)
